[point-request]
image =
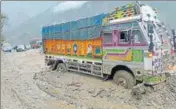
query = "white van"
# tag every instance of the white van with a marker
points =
(7, 47)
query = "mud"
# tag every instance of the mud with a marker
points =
(27, 84)
(18, 89)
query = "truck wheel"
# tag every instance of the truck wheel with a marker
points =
(124, 78)
(61, 68)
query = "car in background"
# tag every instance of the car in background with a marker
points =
(28, 47)
(35, 43)
(7, 48)
(20, 48)
(14, 48)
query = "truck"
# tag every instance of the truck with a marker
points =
(35, 43)
(126, 45)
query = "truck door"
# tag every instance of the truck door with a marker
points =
(124, 42)
(138, 44)
(119, 48)
(115, 36)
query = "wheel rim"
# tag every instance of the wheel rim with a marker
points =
(60, 69)
(122, 82)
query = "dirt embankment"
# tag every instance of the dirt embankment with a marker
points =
(27, 84)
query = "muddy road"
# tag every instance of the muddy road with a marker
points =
(27, 84)
(18, 90)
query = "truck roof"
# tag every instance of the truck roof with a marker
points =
(90, 27)
(131, 12)
(75, 30)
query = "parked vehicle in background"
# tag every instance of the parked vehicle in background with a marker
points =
(20, 48)
(6, 47)
(14, 48)
(39, 43)
(28, 47)
(35, 43)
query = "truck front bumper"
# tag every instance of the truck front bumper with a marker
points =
(158, 78)
(154, 79)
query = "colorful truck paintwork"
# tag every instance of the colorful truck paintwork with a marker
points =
(108, 45)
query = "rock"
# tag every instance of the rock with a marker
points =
(137, 91)
(91, 90)
(98, 92)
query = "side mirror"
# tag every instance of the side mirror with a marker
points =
(150, 33)
(150, 28)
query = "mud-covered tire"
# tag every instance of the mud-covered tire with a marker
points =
(61, 68)
(125, 79)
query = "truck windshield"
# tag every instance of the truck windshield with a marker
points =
(162, 32)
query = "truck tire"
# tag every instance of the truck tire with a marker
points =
(124, 78)
(61, 68)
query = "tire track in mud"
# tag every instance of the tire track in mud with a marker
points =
(22, 102)
(19, 90)
(84, 95)
(69, 99)
(75, 93)
(25, 87)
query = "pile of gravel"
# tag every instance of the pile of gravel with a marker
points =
(163, 97)
(171, 86)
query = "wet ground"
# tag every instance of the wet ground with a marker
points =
(27, 84)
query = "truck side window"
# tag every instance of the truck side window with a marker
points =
(107, 38)
(124, 37)
(137, 37)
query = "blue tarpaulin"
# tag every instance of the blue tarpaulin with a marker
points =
(87, 28)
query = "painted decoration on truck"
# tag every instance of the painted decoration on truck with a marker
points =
(85, 49)
(89, 50)
(75, 48)
(137, 55)
(117, 54)
(121, 12)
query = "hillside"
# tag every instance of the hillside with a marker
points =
(32, 27)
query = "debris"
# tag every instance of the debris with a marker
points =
(98, 92)
(76, 84)
(91, 90)
(35, 87)
(137, 91)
